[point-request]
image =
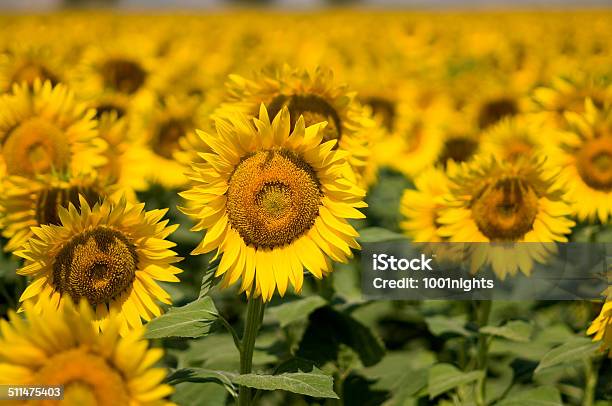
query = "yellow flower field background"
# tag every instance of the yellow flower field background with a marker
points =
(164, 179)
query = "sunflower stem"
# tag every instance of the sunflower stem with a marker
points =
(254, 316)
(483, 350)
(591, 371)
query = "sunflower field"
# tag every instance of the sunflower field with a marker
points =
(184, 199)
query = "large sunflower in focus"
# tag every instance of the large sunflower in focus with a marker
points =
(61, 346)
(109, 254)
(585, 154)
(43, 130)
(273, 201)
(505, 203)
(314, 96)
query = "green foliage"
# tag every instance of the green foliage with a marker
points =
(192, 320)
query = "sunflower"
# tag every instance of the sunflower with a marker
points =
(567, 94)
(585, 154)
(29, 203)
(421, 206)
(505, 203)
(515, 137)
(125, 157)
(110, 254)
(26, 64)
(43, 130)
(116, 73)
(61, 346)
(313, 95)
(164, 130)
(417, 140)
(274, 201)
(601, 327)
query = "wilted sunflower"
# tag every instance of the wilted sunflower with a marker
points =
(505, 203)
(601, 328)
(111, 255)
(312, 95)
(29, 203)
(273, 201)
(515, 138)
(43, 130)
(585, 155)
(61, 346)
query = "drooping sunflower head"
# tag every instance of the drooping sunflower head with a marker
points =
(109, 254)
(584, 152)
(274, 199)
(27, 203)
(504, 203)
(43, 130)
(64, 348)
(312, 95)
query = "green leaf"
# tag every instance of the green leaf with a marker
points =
(515, 330)
(192, 320)
(197, 394)
(208, 282)
(542, 396)
(201, 375)
(444, 377)
(439, 325)
(295, 310)
(576, 349)
(328, 330)
(315, 383)
(378, 234)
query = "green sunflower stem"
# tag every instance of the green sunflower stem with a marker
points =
(254, 317)
(483, 350)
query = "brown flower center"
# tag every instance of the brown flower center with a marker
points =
(36, 146)
(168, 134)
(383, 111)
(50, 200)
(273, 198)
(505, 210)
(594, 163)
(458, 148)
(98, 264)
(123, 75)
(494, 110)
(315, 109)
